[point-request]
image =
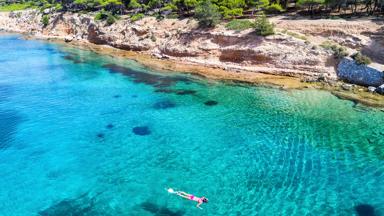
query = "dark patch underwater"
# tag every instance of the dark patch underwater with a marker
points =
(141, 130)
(154, 80)
(365, 210)
(165, 104)
(80, 206)
(160, 210)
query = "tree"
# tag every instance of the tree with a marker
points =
(257, 5)
(263, 27)
(185, 6)
(231, 8)
(311, 4)
(207, 14)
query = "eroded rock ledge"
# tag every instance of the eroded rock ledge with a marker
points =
(295, 52)
(182, 40)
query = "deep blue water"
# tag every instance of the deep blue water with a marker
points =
(85, 134)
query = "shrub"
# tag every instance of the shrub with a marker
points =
(361, 59)
(58, 7)
(296, 35)
(137, 17)
(263, 27)
(16, 6)
(274, 8)
(239, 25)
(101, 15)
(45, 20)
(228, 13)
(133, 4)
(207, 14)
(338, 51)
(111, 19)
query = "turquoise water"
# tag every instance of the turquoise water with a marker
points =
(84, 134)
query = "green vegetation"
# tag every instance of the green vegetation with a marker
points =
(338, 51)
(274, 8)
(239, 25)
(101, 15)
(207, 14)
(16, 6)
(263, 27)
(295, 35)
(361, 59)
(45, 20)
(137, 17)
(111, 19)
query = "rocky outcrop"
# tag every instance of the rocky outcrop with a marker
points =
(348, 70)
(183, 41)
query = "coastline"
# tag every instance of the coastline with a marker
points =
(267, 62)
(357, 95)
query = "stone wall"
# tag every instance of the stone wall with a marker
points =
(351, 72)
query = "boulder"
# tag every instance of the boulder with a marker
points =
(371, 89)
(47, 11)
(380, 89)
(68, 39)
(347, 87)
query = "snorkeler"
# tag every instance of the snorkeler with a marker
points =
(190, 197)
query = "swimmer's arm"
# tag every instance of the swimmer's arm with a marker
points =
(198, 206)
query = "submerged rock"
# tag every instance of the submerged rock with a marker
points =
(100, 135)
(365, 210)
(211, 103)
(82, 205)
(160, 210)
(141, 130)
(164, 104)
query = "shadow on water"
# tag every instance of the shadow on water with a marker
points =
(160, 210)
(80, 206)
(9, 120)
(158, 81)
(365, 210)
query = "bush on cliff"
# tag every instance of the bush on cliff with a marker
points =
(361, 59)
(263, 27)
(207, 14)
(136, 17)
(111, 19)
(101, 15)
(239, 25)
(337, 50)
(45, 20)
(16, 6)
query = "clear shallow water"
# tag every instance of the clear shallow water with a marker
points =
(84, 134)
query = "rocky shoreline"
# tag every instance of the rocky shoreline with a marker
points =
(179, 45)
